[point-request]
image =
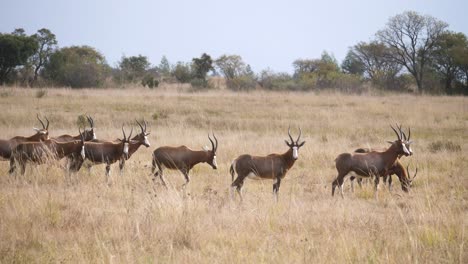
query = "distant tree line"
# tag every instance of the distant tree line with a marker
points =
(411, 53)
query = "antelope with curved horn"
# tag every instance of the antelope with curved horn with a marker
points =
(396, 169)
(6, 146)
(374, 163)
(183, 159)
(88, 134)
(41, 152)
(135, 143)
(273, 166)
(105, 152)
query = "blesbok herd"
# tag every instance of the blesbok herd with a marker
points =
(86, 150)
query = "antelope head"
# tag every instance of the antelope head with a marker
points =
(90, 134)
(214, 147)
(294, 145)
(125, 142)
(44, 131)
(403, 143)
(143, 136)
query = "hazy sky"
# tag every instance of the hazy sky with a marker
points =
(267, 34)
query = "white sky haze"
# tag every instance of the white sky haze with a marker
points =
(267, 34)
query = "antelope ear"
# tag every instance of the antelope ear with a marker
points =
(302, 144)
(409, 142)
(205, 148)
(390, 142)
(287, 143)
(36, 129)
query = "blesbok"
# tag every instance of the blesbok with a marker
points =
(183, 159)
(44, 151)
(105, 152)
(374, 163)
(88, 134)
(135, 143)
(396, 169)
(6, 146)
(273, 166)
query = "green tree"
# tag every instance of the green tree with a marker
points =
(134, 68)
(377, 63)
(201, 66)
(449, 48)
(352, 65)
(47, 44)
(76, 67)
(412, 38)
(182, 72)
(164, 67)
(15, 50)
(238, 75)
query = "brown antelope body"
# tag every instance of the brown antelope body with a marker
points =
(6, 146)
(374, 163)
(183, 159)
(105, 152)
(396, 169)
(273, 166)
(44, 151)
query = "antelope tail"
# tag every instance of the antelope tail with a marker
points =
(231, 170)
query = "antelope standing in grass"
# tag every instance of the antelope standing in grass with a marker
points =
(88, 134)
(6, 146)
(374, 163)
(44, 151)
(106, 152)
(273, 166)
(183, 159)
(397, 168)
(135, 143)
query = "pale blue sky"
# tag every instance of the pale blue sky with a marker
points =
(265, 33)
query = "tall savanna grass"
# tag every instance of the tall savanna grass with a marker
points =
(46, 218)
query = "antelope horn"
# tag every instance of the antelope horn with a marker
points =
(212, 143)
(142, 130)
(131, 131)
(394, 130)
(289, 133)
(144, 122)
(42, 123)
(90, 121)
(300, 133)
(409, 133)
(402, 132)
(47, 127)
(123, 131)
(216, 140)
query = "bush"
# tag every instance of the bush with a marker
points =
(199, 83)
(241, 83)
(149, 81)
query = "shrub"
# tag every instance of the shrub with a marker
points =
(241, 83)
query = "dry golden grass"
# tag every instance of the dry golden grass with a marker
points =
(43, 218)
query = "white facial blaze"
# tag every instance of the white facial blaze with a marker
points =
(94, 136)
(405, 149)
(147, 142)
(214, 161)
(295, 155)
(125, 150)
(82, 152)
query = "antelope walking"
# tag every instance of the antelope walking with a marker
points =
(135, 143)
(41, 152)
(374, 163)
(273, 166)
(105, 152)
(6, 146)
(183, 159)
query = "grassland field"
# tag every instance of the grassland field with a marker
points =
(46, 219)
